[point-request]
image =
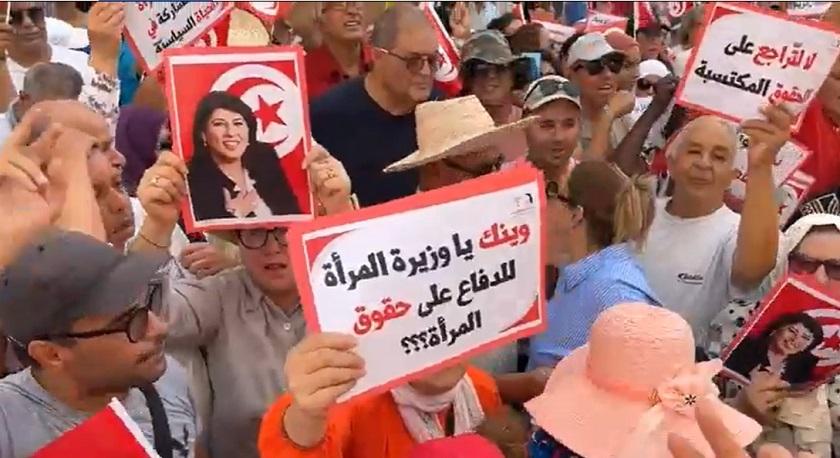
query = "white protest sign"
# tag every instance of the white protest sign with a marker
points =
(748, 57)
(429, 280)
(559, 33)
(788, 160)
(791, 194)
(152, 27)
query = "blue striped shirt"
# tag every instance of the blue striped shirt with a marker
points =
(584, 290)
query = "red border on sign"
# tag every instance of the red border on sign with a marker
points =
(709, 15)
(137, 55)
(186, 209)
(517, 176)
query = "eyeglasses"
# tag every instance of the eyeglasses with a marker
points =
(35, 14)
(484, 169)
(417, 62)
(802, 264)
(254, 239)
(611, 62)
(547, 87)
(552, 191)
(478, 69)
(341, 6)
(134, 322)
(644, 85)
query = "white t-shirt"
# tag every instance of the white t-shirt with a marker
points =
(75, 59)
(688, 263)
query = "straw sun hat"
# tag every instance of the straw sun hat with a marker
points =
(635, 382)
(454, 127)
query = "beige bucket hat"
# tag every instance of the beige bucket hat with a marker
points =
(454, 127)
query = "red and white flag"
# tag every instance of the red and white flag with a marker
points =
(447, 76)
(601, 22)
(110, 432)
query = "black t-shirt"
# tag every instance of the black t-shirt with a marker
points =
(366, 139)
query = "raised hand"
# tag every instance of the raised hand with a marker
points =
(163, 188)
(330, 182)
(767, 136)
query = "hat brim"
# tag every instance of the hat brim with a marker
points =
(461, 146)
(122, 287)
(553, 98)
(498, 61)
(577, 413)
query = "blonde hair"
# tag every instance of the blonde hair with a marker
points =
(634, 210)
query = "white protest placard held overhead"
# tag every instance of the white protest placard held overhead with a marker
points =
(788, 160)
(748, 57)
(153, 27)
(429, 280)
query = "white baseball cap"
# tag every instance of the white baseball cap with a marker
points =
(591, 46)
(653, 67)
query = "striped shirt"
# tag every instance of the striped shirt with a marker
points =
(584, 290)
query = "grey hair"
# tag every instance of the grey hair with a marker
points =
(52, 81)
(683, 134)
(396, 18)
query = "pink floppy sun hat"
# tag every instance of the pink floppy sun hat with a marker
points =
(633, 384)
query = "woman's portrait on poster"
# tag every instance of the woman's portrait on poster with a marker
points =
(232, 174)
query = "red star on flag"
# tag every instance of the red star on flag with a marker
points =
(267, 113)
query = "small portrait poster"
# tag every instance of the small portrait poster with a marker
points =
(240, 121)
(795, 334)
(423, 296)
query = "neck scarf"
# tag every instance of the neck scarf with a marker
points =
(420, 412)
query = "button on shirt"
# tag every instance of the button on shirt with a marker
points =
(584, 290)
(246, 338)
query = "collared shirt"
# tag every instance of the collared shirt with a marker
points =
(585, 289)
(246, 338)
(323, 72)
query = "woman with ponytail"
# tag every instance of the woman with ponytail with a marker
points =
(604, 221)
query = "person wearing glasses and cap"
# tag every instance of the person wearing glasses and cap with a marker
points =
(245, 319)
(85, 318)
(368, 123)
(593, 68)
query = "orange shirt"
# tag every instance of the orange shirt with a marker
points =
(369, 427)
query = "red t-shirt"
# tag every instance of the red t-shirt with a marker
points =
(822, 137)
(323, 72)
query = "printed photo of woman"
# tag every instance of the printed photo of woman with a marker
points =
(231, 174)
(784, 348)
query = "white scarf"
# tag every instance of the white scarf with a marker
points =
(420, 412)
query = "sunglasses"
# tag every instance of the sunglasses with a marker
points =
(417, 62)
(552, 191)
(35, 14)
(802, 264)
(644, 85)
(134, 323)
(484, 169)
(612, 62)
(548, 87)
(254, 239)
(485, 70)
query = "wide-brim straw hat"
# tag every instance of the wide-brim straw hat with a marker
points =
(455, 127)
(636, 382)
(246, 29)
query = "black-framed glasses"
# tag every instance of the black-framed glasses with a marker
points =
(481, 170)
(134, 323)
(644, 85)
(415, 63)
(254, 239)
(342, 6)
(549, 86)
(35, 14)
(552, 191)
(612, 62)
(478, 69)
(802, 264)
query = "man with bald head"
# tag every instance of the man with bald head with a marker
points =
(104, 165)
(700, 253)
(44, 81)
(368, 123)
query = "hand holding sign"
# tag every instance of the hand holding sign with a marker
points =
(162, 189)
(105, 26)
(767, 137)
(330, 181)
(664, 91)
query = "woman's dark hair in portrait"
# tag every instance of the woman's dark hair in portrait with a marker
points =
(259, 160)
(752, 353)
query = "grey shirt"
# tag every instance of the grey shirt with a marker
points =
(246, 338)
(31, 418)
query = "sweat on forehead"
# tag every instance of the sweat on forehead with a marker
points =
(726, 128)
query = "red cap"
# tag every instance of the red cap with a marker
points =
(464, 446)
